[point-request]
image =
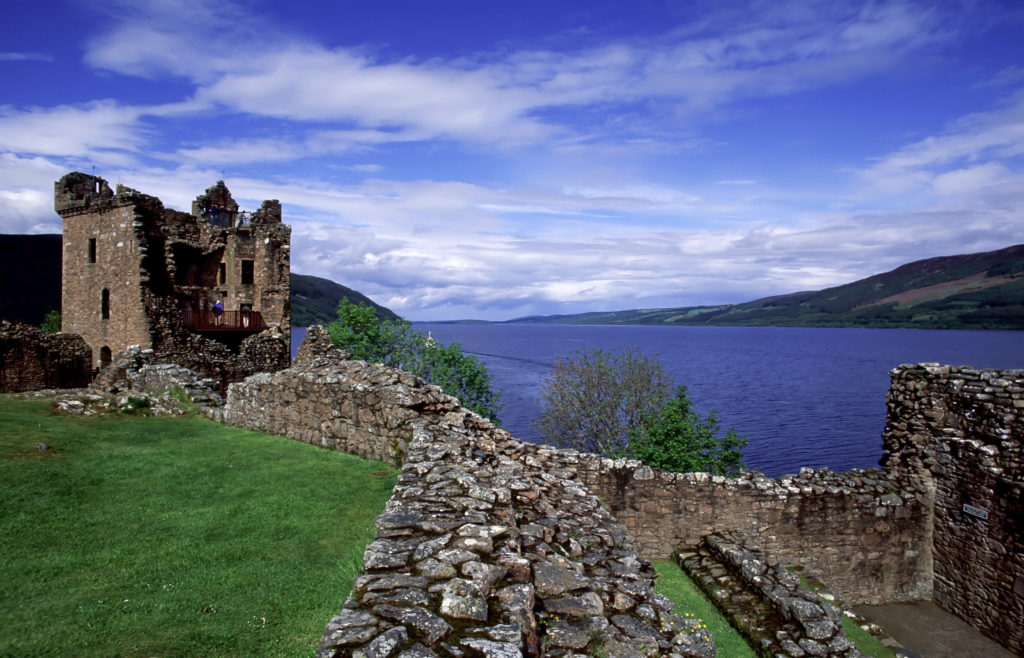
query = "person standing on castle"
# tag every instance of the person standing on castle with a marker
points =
(218, 311)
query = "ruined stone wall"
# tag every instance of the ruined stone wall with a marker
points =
(488, 546)
(31, 360)
(960, 431)
(103, 251)
(861, 532)
(953, 437)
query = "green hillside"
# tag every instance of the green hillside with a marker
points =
(315, 301)
(973, 291)
(29, 277)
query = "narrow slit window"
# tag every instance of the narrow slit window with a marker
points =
(223, 273)
(105, 304)
(92, 250)
(247, 271)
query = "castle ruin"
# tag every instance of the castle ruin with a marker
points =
(193, 287)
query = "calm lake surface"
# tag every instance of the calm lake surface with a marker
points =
(800, 396)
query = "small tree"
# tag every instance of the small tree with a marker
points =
(618, 405)
(459, 374)
(51, 322)
(395, 343)
(680, 439)
(366, 338)
(594, 400)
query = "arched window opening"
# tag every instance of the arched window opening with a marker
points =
(105, 304)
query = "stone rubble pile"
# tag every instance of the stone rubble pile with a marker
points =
(136, 384)
(766, 601)
(491, 547)
(86, 402)
(135, 370)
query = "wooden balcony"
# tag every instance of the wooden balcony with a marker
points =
(206, 321)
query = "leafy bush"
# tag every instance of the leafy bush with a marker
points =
(617, 404)
(51, 322)
(680, 439)
(394, 343)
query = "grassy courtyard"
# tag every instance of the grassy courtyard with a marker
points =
(159, 536)
(173, 536)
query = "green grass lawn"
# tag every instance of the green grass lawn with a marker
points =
(173, 536)
(678, 587)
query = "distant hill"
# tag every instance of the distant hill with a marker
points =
(30, 267)
(30, 271)
(973, 291)
(315, 301)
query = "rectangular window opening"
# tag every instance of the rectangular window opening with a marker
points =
(247, 272)
(223, 273)
(92, 250)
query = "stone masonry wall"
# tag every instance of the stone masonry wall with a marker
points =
(861, 532)
(31, 360)
(959, 431)
(488, 546)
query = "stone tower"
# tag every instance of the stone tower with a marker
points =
(136, 273)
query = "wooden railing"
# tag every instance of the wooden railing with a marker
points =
(224, 321)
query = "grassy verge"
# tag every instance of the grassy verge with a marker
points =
(678, 587)
(866, 643)
(173, 536)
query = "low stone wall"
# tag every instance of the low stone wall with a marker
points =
(267, 351)
(959, 430)
(488, 546)
(861, 532)
(766, 602)
(31, 360)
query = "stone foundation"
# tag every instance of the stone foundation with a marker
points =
(766, 602)
(31, 360)
(860, 532)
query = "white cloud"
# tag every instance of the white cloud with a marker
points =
(100, 130)
(26, 194)
(506, 98)
(25, 57)
(972, 179)
(242, 151)
(978, 150)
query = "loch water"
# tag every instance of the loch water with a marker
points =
(800, 396)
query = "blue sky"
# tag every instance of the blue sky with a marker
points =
(492, 159)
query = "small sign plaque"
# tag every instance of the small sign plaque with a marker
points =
(976, 511)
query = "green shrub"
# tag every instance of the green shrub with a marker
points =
(395, 343)
(680, 439)
(51, 322)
